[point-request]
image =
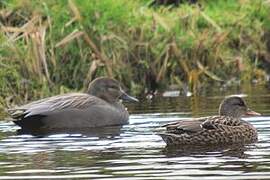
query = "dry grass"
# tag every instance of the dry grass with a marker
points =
(53, 47)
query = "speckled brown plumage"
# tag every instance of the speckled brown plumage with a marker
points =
(214, 130)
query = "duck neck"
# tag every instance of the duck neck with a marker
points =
(98, 93)
(230, 114)
(107, 98)
(229, 111)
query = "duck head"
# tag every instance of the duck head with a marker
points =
(109, 90)
(236, 107)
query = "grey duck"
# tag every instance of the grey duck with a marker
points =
(98, 107)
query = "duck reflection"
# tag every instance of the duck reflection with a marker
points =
(232, 150)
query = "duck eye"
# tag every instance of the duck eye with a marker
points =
(240, 104)
(112, 87)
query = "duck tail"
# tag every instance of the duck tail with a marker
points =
(18, 122)
(169, 139)
(31, 122)
(16, 113)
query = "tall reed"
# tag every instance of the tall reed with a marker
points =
(50, 47)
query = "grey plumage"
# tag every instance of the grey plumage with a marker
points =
(99, 107)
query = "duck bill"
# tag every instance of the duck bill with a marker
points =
(127, 97)
(252, 113)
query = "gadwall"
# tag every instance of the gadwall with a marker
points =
(98, 107)
(227, 128)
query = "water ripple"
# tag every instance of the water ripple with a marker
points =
(135, 152)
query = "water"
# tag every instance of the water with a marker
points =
(135, 151)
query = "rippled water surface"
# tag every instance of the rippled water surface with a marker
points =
(135, 151)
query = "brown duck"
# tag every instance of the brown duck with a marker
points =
(99, 106)
(227, 128)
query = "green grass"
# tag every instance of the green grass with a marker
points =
(143, 47)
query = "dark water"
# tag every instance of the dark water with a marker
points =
(135, 151)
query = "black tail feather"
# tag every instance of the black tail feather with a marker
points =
(31, 122)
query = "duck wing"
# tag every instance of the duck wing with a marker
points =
(55, 103)
(199, 124)
(184, 126)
